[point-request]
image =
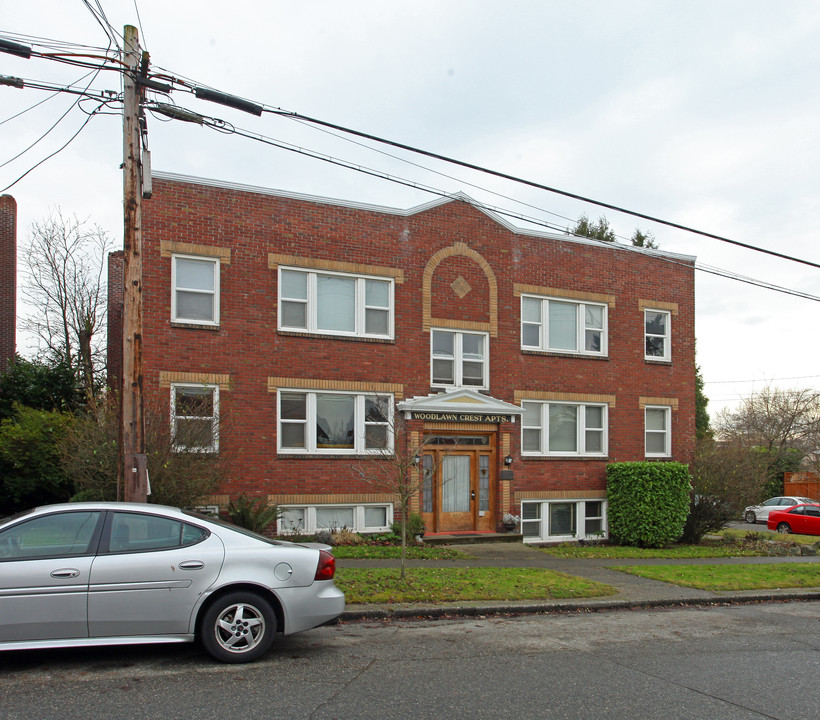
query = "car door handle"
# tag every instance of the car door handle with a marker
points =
(192, 565)
(65, 573)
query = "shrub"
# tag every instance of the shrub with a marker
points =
(30, 469)
(415, 526)
(648, 502)
(254, 515)
(706, 514)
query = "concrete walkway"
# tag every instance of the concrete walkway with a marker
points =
(631, 591)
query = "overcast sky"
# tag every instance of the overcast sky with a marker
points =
(702, 112)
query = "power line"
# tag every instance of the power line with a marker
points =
(56, 122)
(222, 126)
(540, 186)
(48, 157)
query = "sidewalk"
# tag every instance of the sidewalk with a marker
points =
(632, 591)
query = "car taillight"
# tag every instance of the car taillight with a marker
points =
(327, 566)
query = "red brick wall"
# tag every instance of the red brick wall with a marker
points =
(8, 278)
(248, 347)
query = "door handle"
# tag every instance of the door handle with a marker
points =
(65, 573)
(472, 494)
(192, 565)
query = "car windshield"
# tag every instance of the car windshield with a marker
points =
(235, 528)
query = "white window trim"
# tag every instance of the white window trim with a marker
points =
(311, 311)
(667, 432)
(359, 525)
(667, 338)
(358, 418)
(580, 326)
(580, 521)
(580, 430)
(214, 446)
(458, 359)
(216, 270)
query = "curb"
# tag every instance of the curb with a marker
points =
(382, 612)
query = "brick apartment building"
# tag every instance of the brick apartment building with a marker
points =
(296, 332)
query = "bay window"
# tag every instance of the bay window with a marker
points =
(558, 428)
(335, 303)
(559, 325)
(326, 422)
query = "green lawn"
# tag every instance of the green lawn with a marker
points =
(392, 552)
(676, 551)
(718, 578)
(442, 585)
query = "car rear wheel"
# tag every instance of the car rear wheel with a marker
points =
(784, 528)
(238, 627)
(750, 517)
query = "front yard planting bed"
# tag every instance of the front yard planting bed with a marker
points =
(447, 585)
(724, 578)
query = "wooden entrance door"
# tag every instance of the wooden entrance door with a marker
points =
(459, 489)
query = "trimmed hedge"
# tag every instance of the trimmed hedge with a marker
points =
(648, 502)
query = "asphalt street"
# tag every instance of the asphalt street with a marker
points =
(715, 661)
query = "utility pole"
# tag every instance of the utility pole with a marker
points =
(132, 421)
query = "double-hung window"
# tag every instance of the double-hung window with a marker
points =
(335, 303)
(558, 325)
(326, 422)
(558, 428)
(195, 290)
(657, 329)
(658, 431)
(195, 418)
(459, 359)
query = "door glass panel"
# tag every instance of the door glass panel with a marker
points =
(455, 492)
(484, 482)
(427, 487)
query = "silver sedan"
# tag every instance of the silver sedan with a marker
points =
(120, 573)
(760, 513)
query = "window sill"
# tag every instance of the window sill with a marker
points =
(345, 338)
(571, 458)
(193, 326)
(657, 361)
(555, 353)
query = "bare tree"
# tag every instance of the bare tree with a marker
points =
(65, 260)
(775, 420)
(783, 425)
(90, 458)
(396, 468)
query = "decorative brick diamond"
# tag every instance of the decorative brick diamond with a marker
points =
(460, 286)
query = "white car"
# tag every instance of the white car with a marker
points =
(127, 573)
(760, 513)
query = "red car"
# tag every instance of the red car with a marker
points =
(800, 519)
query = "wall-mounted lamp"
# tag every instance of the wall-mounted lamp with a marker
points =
(508, 460)
(416, 460)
